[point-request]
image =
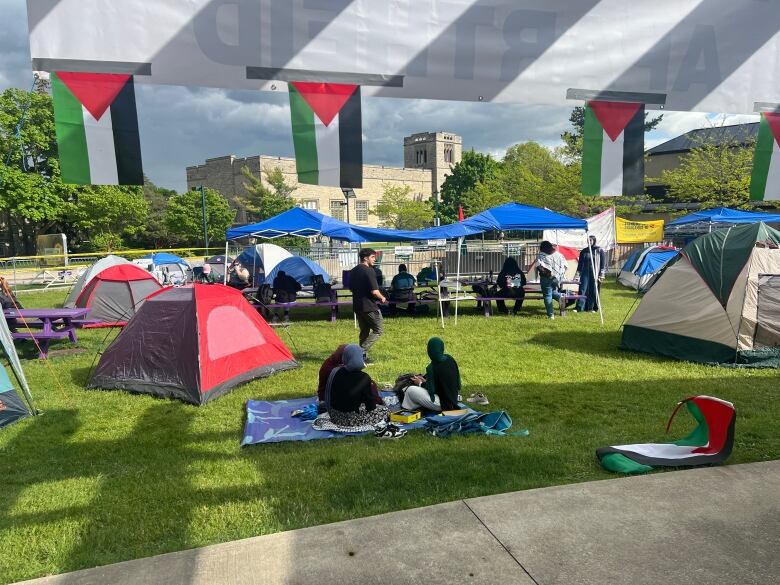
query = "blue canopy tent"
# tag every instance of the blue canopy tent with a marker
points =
(169, 268)
(160, 258)
(516, 216)
(700, 222)
(300, 268)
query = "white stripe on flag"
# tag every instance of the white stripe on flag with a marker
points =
(100, 148)
(612, 165)
(328, 152)
(772, 189)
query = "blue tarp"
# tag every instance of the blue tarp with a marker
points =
(305, 222)
(159, 258)
(725, 215)
(515, 216)
(300, 268)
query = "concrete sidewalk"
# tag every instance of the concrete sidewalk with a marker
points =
(713, 525)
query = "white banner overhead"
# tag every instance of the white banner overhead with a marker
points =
(602, 226)
(712, 55)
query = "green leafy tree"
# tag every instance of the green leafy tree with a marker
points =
(184, 216)
(155, 233)
(31, 193)
(400, 210)
(712, 175)
(264, 201)
(474, 168)
(107, 214)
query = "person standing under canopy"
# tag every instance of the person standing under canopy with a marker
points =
(365, 294)
(591, 274)
(550, 265)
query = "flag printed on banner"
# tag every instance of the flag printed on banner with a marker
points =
(613, 149)
(327, 133)
(765, 179)
(97, 128)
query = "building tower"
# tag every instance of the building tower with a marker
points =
(437, 151)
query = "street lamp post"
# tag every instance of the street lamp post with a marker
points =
(203, 209)
(348, 194)
(436, 219)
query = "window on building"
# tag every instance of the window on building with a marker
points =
(337, 209)
(310, 204)
(361, 210)
(447, 154)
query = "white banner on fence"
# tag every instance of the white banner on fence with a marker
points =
(602, 226)
(713, 55)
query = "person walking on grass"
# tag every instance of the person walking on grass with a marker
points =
(365, 294)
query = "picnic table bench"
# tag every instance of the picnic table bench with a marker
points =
(265, 309)
(43, 325)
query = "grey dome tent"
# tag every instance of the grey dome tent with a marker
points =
(83, 280)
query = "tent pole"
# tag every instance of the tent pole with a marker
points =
(224, 276)
(457, 280)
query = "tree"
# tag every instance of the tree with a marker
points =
(184, 216)
(473, 168)
(107, 214)
(712, 175)
(266, 201)
(400, 211)
(31, 192)
(573, 139)
(155, 233)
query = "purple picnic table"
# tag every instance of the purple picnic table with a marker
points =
(43, 325)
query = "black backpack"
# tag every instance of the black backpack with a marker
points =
(265, 294)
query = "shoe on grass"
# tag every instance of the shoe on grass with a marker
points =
(478, 398)
(390, 431)
(368, 361)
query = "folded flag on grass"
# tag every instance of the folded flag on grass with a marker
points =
(327, 133)
(765, 179)
(613, 149)
(709, 443)
(97, 128)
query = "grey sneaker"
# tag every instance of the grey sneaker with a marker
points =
(478, 398)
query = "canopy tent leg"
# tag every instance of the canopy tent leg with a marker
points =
(224, 276)
(457, 280)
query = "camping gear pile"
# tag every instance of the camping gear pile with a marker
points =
(717, 301)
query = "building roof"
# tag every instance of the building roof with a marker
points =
(737, 133)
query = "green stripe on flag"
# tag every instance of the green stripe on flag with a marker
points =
(593, 136)
(762, 157)
(71, 138)
(304, 139)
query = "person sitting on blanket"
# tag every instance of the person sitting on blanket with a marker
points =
(335, 360)
(438, 390)
(349, 397)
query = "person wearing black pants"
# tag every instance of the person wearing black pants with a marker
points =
(365, 294)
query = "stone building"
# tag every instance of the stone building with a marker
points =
(428, 157)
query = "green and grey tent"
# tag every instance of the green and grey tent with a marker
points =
(718, 301)
(709, 443)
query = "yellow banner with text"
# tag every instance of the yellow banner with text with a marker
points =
(635, 232)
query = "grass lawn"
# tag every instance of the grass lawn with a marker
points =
(106, 476)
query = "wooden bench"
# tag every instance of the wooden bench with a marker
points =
(486, 303)
(266, 309)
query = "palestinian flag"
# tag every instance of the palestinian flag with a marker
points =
(97, 128)
(613, 149)
(765, 180)
(327, 133)
(710, 442)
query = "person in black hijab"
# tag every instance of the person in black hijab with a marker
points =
(510, 283)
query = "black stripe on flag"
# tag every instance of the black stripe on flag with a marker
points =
(351, 142)
(127, 142)
(634, 154)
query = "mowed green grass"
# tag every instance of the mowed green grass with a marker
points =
(106, 476)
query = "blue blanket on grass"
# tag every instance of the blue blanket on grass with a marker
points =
(272, 422)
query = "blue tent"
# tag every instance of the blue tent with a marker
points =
(300, 268)
(296, 222)
(160, 258)
(12, 407)
(515, 216)
(724, 215)
(643, 264)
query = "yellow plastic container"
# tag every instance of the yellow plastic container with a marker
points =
(405, 416)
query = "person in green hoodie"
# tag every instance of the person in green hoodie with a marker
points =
(438, 390)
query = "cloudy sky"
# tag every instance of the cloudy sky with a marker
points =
(184, 126)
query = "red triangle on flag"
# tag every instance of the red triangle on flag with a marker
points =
(461, 215)
(773, 119)
(325, 99)
(614, 116)
(95, 91)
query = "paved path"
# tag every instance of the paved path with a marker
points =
(716, 525)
